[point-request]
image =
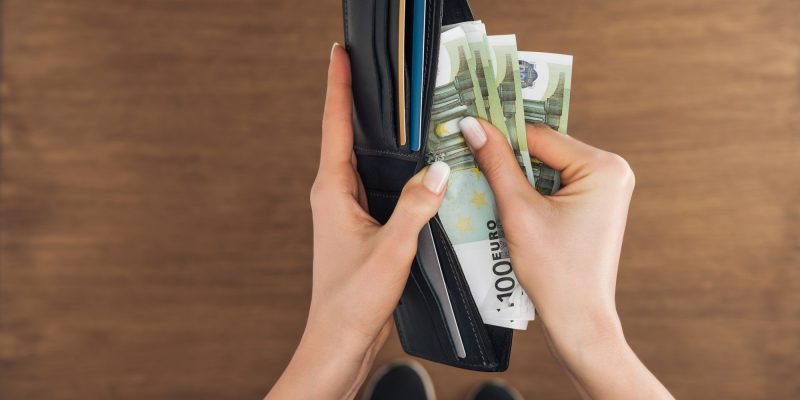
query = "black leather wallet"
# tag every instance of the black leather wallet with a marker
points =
(371, 36)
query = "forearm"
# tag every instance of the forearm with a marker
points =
(323, 368)
(612, 371)
(603, 365)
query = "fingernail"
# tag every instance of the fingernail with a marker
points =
(334, 48)
(473, 132)
(436, 176)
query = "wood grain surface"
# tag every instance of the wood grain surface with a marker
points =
(157, 156)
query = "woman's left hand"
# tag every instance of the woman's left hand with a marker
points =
(360, 266)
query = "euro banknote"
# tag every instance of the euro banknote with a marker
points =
(506, 69)
(545, 81)
(475, 32)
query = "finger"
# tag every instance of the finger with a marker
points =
(557, 150)
(496, 159)
(418, 203)
(337, 119)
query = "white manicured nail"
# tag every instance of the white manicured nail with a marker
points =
(473, 132)
(334, 47)
(436, 177)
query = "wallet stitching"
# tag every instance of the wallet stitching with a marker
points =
(461, 292)
(346, 7)
(427, 60)
(365, 151)
(376, 62)
(373, 193)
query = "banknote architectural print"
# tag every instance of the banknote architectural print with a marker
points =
(507, 74)
(547, 179)
(452, 102)
(455, 96)
(546, 111)
(545, 80)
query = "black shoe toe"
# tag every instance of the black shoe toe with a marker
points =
(400, 380)
(495, 390)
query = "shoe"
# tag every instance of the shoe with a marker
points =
(495, 389)
(400, 380)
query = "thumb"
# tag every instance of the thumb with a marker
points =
(496, 159)
(418, 203)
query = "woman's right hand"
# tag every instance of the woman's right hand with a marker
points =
(565, 251)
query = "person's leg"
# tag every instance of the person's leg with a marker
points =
(400, 380)
(494, 389)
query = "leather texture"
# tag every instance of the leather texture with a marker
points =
(371, 31)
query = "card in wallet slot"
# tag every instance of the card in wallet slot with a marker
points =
(400, 97)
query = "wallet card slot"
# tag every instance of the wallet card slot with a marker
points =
(420, 321)
(433, 28)
(428, 259)
(398, 44)
(373, 59)
(461, 297)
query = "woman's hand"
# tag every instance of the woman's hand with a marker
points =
(360, 267)
(565, 250)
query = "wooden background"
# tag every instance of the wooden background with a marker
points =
(157, 157)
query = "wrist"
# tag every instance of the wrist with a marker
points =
(329, 331)
(323, 366)
(578, 335)
(333, 342)
(601, 362)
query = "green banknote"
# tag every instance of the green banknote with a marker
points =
(468, 212)
(481, 52)
(506, 69)
(545, 80)
(456, 94)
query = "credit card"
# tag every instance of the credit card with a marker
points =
(401, 73)
(429, 261)
(417, 66)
